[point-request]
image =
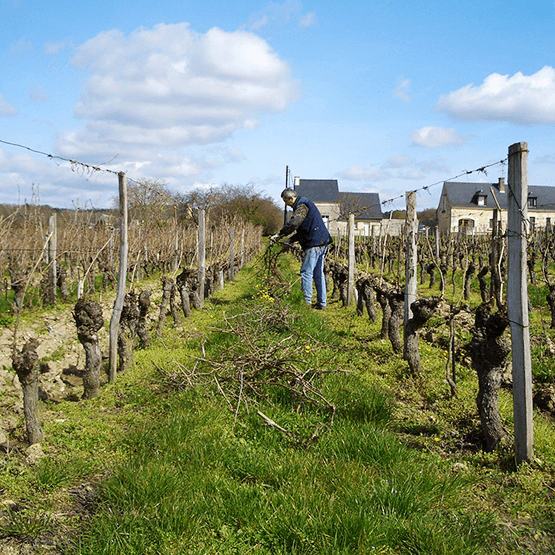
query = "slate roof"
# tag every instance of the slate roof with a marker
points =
(463, 195)
(318, 190)
(370, 201)
(327, 190)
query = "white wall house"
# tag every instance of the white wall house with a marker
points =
(469, 207)
(325, 194)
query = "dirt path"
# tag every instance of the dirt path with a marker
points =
(62, 361)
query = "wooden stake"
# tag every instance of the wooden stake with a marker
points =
(351, 273)
(52, 255)
(232, 253)
(517, 301)
(122, 278)
(201, 256)
(411, 229)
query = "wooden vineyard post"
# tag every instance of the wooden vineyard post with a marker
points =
(122, 277)
(517, 301)
(52, 255)
(286, 186)
(411, 229)
(243, 247)
(351, 267)
(496, 283)
(232, 253)
(176, 260)
(201, 256)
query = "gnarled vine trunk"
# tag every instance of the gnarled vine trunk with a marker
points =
(167, 286)
(488, 350)
(470, 271)
(484, 288)
(365, 298)
(422, 311)
(129, 321)
(26, 365)
(142, 324)
(183, 286)
(386, 313)
(396, 300)
(550, 298)
(88, 318)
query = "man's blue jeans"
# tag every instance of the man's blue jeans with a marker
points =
(313, 269)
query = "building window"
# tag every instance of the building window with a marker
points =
(480, 198)
(532, 223)
(548, 224)
(491, 223)
(444, 209)
(466, 223)
(532, 202)
(326, 219)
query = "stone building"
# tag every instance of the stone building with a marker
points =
(468, 207)
(335, 206)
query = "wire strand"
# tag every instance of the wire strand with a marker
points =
(98, 168)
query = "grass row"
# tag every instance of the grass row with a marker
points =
(178, 472)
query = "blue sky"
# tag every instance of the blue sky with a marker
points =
(386, 96)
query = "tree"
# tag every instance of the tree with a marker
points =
(227, 201)
(427, 217)
(150, 201)
(350, 203)
(395, 215)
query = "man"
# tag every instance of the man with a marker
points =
(313, 236)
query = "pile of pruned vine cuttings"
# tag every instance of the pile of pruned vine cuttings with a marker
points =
(262, 369)
(269, 273)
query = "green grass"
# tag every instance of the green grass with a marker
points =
(195, 486)
(180, 471)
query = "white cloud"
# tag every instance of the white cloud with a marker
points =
(518, 99)
(307, 20)
(55, 48)
(33, 177)
(170, 86)
(397, 167)
(259, 22)
(434, 137)
(411, 175)
(360, 173)
(158, 90)
(546, 159)
(6, 109)
(37, 94)
(406, 167)
(62, 184)
(400, 91)
(21, 48)
(397, 161)
(279, 15)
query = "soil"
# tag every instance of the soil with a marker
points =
(62, 361)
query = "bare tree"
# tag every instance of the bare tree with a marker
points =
(232, 201)
(350, 203)
(150, 200)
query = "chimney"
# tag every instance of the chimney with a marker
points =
(296, 181)
(501, 185)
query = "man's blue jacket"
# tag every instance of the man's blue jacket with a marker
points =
(312, 232)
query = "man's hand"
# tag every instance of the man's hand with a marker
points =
(274, 239)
